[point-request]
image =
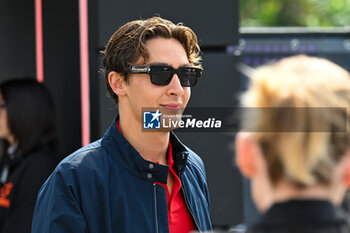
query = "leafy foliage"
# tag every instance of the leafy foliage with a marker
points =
(297, 13)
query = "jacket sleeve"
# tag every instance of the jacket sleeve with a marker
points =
(57, 209)
(197, 161)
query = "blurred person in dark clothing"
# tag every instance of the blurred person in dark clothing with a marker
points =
(298, 160)
(28, 138)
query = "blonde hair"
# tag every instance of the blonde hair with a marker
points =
(301, 145)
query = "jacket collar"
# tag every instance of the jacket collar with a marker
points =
(125, 154)
(301, 212)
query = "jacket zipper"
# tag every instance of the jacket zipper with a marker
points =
(188, 207)
(155, 206)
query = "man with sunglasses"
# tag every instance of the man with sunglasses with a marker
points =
(132, 180)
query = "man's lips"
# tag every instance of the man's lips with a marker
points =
(172, 106)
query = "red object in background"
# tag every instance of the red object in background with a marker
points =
(39, 41)
(84, 72)
(4, 193)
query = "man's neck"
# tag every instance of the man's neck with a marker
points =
(152, 146)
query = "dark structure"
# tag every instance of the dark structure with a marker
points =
(215, 22)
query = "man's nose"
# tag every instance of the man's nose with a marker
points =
(175, 87)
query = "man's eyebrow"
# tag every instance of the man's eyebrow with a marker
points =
(159, 64)
(166, 64)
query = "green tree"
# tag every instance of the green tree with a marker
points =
(297, 13)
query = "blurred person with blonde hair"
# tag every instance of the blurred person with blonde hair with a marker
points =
(294, 145)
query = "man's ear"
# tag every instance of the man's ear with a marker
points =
(246, 154)
(117, 83)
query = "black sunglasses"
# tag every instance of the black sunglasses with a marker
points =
(162, 74)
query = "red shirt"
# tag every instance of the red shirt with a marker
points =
(179, 217)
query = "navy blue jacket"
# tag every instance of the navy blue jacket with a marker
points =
(108, 187)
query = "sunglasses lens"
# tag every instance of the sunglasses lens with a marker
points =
(161, 75)
(188, 76)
